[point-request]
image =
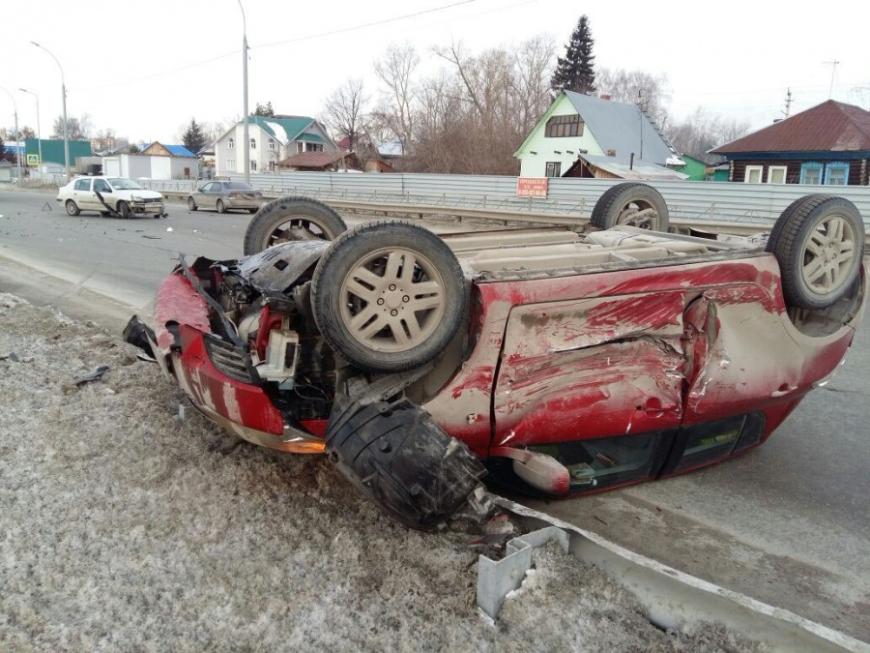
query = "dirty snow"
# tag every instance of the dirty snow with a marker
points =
(128, 524)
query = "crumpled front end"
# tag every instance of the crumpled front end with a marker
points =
(239, 342)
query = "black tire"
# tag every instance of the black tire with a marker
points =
(105, 214)
(802, 222)
(303, 213)
(71, 208)
(399, 458)
(407, 338)
(191, 204)
(609, 209)
(124, 210)
(786, 214)
(252, 211)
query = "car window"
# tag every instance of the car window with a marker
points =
(119, 183)
(100, 186)
(83, 184)
(238, 185)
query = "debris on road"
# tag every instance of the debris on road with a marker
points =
(96, 375)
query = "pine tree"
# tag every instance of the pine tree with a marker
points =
(194, 138)
(575, 71)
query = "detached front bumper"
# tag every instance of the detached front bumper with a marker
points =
(218, 381)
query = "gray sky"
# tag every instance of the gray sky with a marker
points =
(131, 64)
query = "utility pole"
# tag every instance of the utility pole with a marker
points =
(38, 129)
(17, 133)
(246, 146)
(63, 97)
(787, 111)
(640, 112)
(833, 64)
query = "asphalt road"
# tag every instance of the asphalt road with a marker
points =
(788, 523)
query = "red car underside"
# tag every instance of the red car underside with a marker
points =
(621, 375)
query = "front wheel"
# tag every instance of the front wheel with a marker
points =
(71, 208)
(191, 205)
(124, 210)
(291, 218)
(388, 296)
(818, 242)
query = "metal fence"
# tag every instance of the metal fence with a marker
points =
(696, 203)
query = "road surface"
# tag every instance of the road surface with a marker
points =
(787, 523)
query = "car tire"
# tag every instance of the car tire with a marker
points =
(124, 210)
(377, 312)
(631, 204)
(818, 242)
(399, 458)
(105, 214)
(71, 208)
(291, 218)
(219, 205)
(191, 204)
(253, 211)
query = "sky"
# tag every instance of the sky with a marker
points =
(145, 68)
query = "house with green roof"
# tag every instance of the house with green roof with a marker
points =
(270, 139)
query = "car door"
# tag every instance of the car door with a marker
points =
(103, 187)
(217, 191)
(81, 193)
(200, 195)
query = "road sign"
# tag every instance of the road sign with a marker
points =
(33, 159)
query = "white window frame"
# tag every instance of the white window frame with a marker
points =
(271, 144)
(750, 169)
(231, 164)
(253, 143)
(231, 143)
(253, 165)
(770, 170)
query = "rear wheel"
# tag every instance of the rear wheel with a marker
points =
(71, 208)
(191, 205)
(819, 244)
(292, 218)
(220, 207)
(633, 205)
(388, 296)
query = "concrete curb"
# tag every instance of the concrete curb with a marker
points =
(676, 600)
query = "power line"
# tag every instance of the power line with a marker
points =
(298, 39)
(375, 23)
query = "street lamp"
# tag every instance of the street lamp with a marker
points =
(245, 136)
(63, 97)
(17, 133)
(38, 129)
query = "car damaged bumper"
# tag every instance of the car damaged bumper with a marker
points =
(217, 378)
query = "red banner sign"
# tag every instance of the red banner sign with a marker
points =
(531, 187)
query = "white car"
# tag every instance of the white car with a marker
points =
(110, 196)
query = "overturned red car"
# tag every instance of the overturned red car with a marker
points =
(550, 361)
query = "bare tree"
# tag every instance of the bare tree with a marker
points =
(343, 111)
(395, 69)
(701, 131)
(649, 92)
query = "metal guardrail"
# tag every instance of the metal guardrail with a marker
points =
(569, 201)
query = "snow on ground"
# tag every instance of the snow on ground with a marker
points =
(123, 527)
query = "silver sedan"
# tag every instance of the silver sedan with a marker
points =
(225, 195)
